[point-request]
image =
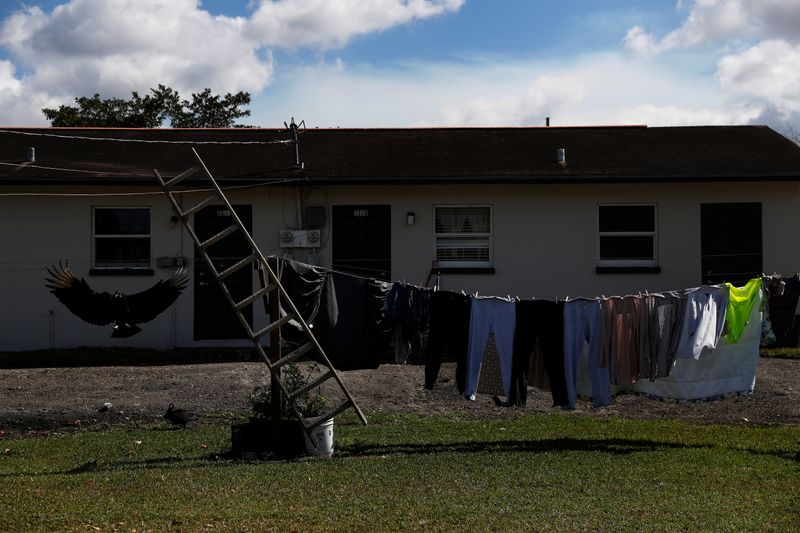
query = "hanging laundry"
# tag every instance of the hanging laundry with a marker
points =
(408, 304)
(408, 307)
(448, 335)
(783, 311)
(740, 304)
(359, 335)
(538, 323)
(661, 326)
(703, 321)
(490, 315)
(583, 323)
(620, 353)
(305, 285)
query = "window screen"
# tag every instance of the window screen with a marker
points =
(627, 235)
(463, 235)
(122, 237)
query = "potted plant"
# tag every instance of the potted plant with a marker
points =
(311, 404)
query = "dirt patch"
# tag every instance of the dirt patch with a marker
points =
(47, 398)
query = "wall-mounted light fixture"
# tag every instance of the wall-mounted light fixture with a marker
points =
(173, 221)
(410, 219)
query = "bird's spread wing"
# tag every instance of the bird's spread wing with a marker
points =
(146, 305)
(93, 307)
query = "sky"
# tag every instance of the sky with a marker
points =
(408, 63)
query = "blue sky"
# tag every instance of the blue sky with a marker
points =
(417, 62)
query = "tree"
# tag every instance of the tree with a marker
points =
(205, 110)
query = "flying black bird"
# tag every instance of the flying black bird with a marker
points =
(178, 417)
(125, 311)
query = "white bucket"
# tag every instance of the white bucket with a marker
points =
(324, 435)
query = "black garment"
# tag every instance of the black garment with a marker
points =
(359, 335)
(448, 335)
(305, 285)
(781, 312)
(540, 320)
(408, 307)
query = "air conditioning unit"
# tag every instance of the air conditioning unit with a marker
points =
(301, 238)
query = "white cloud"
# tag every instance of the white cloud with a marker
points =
(759, 62)
(768, 71)
(596, 89)
(331, 24)
(18, 104)
(682, 116)
(115, 46)
(713, 21)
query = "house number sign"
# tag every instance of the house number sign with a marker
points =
(360, 212)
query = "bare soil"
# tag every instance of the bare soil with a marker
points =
(47, 399)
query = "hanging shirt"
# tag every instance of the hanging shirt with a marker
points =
(703, 321)
(740, 304)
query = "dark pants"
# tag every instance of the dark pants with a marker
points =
(540, 320)
(448, 335)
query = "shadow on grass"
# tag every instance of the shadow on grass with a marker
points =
(610, 446)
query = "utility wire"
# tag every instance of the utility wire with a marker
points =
(150, 193)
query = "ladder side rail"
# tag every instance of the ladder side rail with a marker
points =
(177, 207)
(280, 288)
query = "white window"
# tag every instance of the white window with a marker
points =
(627, 235)
(463, 235)
(121, 237)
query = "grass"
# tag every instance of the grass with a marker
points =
(781, 353)
(407, 473)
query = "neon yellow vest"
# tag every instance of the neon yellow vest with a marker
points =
(740, 304)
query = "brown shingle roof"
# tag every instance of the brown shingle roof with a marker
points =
(602, 153)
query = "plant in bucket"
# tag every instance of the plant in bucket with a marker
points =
(311, 405)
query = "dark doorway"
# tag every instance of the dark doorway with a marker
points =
(213, 317)
(362, 240)
(730, 242)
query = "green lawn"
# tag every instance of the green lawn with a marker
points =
(558, 472)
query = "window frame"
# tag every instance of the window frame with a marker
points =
(628, 263)
(143, 266)
(477, 266)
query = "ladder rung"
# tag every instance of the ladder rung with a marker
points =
(308, 386)
(256, 295)
(180, 177)
(327, 416)
(219, 236)
(197, 207)
(294, 355)
(278, 323)
(244, 262)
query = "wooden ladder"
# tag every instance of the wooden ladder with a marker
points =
(270, 292)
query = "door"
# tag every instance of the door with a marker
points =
(730, 242)
(361, 236)
(213, 316)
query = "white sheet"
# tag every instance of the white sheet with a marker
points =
(729, 368)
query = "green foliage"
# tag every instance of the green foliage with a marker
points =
(204, 110)
(560, 472)
(312, 403)
(781, 353)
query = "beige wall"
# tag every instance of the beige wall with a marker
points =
(544, 245)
